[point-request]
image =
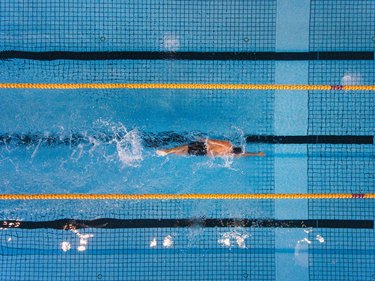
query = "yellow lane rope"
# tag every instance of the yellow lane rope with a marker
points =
(189, 86)
(182, 196)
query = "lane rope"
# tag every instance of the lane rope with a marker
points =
(290, 87)
(184, 196)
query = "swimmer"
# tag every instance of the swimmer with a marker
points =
(207, 147)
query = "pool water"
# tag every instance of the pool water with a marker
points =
(99, 141)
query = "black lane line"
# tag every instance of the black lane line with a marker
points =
(111, 223)
(165, 138)
(215, 56)
(312, 139)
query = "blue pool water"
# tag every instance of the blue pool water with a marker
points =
(104, 141)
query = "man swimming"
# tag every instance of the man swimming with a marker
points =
(207, 147)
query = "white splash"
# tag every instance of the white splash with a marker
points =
(95, 143)
(305, 240)
(225, 241)
(153, 243)
(65, 246)
(308, 230)
(83, 242)
(301, 257)
(228, 161)
(83, 239)
(81, 248)
(11, 224)
(77, 153)
(234, 238)
(129, 149)
(168, 241)
(351, 79)
(220, 162)
(36, 149)
(128, 143)
(171, 42)
(320, 238)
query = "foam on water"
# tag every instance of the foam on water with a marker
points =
(301, 256)
(170, 42)
(351, 79)
(129, 149)
(217, 163)
(128, 145)
(235, 238)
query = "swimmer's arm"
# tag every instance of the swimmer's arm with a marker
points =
(219, 143)
(260, 154)
(178, 150)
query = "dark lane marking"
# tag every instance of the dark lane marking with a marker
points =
(207, 56)
(311, 139)
(166, 138)
(111, 223)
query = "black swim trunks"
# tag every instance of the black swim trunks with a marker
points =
(197, 148)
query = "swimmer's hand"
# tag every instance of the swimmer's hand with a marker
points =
(260, 154)
(161, 152)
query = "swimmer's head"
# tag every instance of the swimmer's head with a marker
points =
(237, 150)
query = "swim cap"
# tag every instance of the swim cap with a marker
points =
(237, 150)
